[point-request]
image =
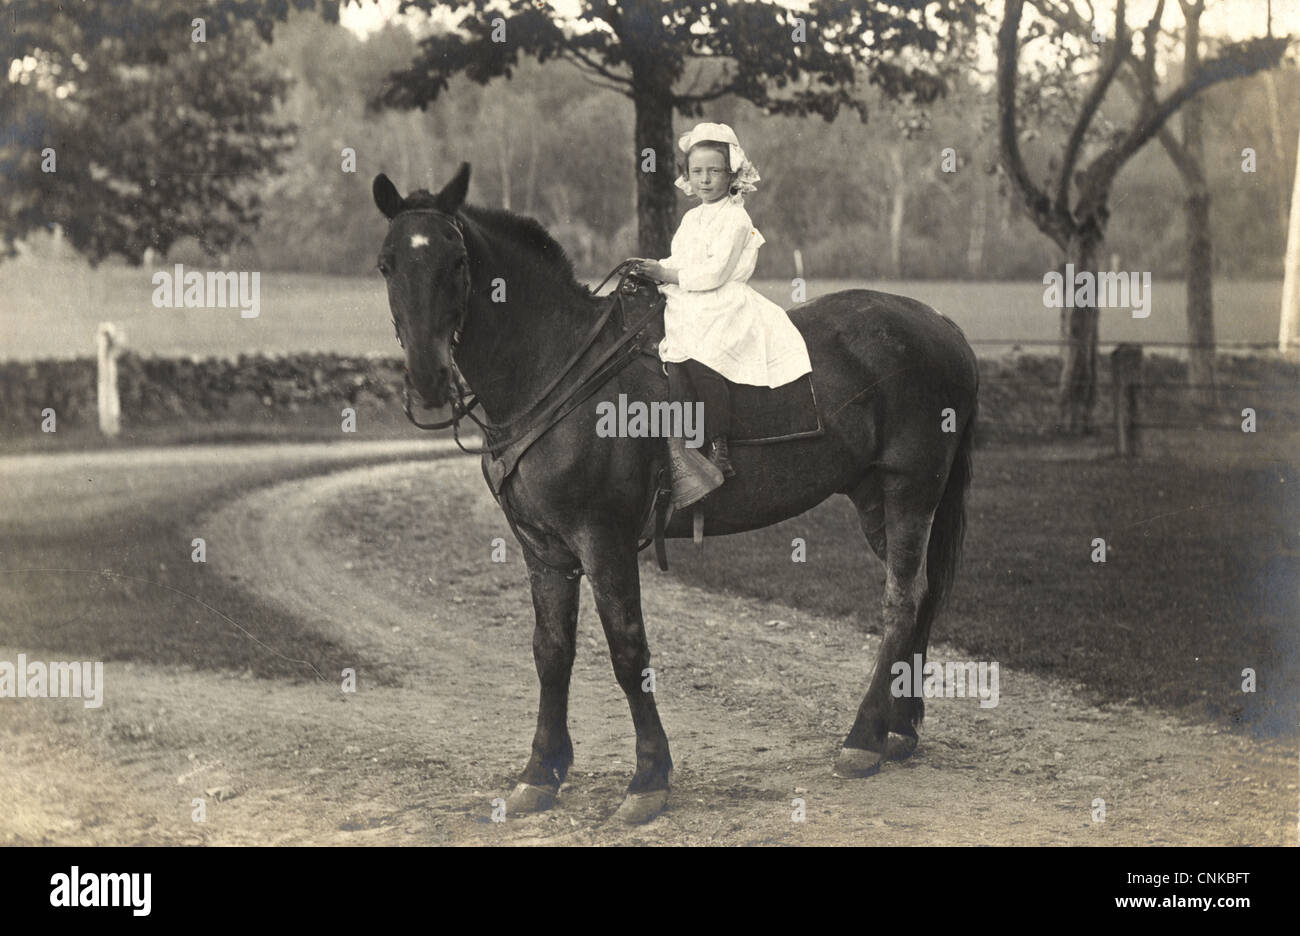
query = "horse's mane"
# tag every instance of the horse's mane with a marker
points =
(523, 231)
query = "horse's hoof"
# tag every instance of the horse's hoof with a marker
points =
(855, 762)
(901, 747)
(638, 808)
(529, 798)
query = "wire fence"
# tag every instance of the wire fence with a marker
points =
(1058, 342)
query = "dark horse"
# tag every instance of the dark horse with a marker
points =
(897, 386)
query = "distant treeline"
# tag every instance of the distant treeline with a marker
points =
(860, 201)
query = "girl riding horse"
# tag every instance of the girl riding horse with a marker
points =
(717, 327)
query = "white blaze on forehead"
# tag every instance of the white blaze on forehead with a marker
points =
(419, 240)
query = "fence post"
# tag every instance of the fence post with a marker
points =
(109, 341)
(1126, 377)
(1288, 338)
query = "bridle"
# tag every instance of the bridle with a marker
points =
(462, 405)
(459, 407)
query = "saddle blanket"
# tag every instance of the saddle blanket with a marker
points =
(763, 414)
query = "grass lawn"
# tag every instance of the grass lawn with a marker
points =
(1200, 582)
(52, 309)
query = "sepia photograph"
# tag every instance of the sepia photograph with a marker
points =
(649, 423)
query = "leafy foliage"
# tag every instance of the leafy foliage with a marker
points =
(155, 136)
(764, 63)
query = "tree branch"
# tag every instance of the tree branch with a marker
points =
(1237, 61)
(581, 60)
(1091, 104)
(1034, 199)
(1177, 154)
(718, 91)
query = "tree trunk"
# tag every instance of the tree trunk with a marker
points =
(656, 195)
(403, 147)
(978, 230)
(530, 180)
(897, 211)
(1200, 269)
(1200, 299)
(1078, 387)
(505, 157)
(1279, 151)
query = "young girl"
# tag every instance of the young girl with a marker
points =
(716, 325)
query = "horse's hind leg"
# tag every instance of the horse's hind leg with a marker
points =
(869, 499)
(909, 507)
(555, 602)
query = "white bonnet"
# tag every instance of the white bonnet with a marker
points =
(746, 174)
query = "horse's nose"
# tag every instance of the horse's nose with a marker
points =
(432, 394)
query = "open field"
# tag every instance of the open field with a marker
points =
(50, 309)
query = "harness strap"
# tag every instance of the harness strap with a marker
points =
(461, 409)
(609, 363)
(662, 505)
(501, 427)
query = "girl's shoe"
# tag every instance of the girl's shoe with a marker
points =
(693, 475)
(718, 455)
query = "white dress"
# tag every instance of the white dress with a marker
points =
(713, 315)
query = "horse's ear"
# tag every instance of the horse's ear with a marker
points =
(452, 195)
(387, 198)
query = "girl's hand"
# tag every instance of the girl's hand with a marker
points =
(651, 269)
(656, 271)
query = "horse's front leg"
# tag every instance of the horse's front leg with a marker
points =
(555, 602)
(609, 558)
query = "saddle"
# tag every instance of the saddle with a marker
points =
(759, 415)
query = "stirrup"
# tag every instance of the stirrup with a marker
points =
(694, 476)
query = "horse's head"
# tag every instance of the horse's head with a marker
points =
(426, 267)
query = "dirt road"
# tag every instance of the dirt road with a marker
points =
(396, 563)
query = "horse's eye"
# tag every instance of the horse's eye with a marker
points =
(383, 266)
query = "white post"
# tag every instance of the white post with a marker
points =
(798, 263)
(1288, 336)
(109, 340)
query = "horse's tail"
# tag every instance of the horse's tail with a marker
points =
(948, 530)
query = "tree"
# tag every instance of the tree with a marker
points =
(1187, 152)
(127, 131)
(1072, 208)
(679, 55)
